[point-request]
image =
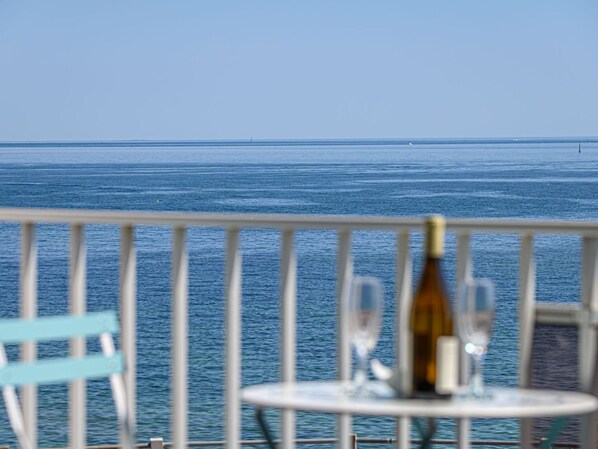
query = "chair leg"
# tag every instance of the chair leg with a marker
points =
(15, 416)
(122, 411)
(119, 394)
(556, 427)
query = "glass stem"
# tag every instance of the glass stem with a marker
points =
(361, 373)
(477, 380)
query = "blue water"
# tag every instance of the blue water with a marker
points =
(531, 180)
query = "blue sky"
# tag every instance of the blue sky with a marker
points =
(72, 70)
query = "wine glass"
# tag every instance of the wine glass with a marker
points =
(364, 312)
(475, 314)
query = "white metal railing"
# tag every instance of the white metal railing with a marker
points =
(287, 225)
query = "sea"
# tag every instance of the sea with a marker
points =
(542, 179)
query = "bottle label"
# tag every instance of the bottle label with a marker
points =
(447, 365)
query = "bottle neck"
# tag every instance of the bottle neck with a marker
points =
(434, 245)
(432, 262)
(435, 237)
(432, 270)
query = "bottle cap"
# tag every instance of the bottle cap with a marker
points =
(435, 225)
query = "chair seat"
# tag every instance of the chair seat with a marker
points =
(61, 370)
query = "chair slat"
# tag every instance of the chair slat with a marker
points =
(61, 370)
(57, 328)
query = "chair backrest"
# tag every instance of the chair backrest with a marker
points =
(558, 343)
(107, 364)
(556, 363)
(59, 369)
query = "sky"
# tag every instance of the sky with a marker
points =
(111, 70)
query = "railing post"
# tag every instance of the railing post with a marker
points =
(343, 282)
(180, 294)
(403, 350)
(28, 290)
(77, 299)
(232, 378)
(464, 262)
(527, 295)
(288, 294)
(128, 320)
(464, 272)
(588, 337)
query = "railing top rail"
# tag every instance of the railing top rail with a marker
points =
(282, 221)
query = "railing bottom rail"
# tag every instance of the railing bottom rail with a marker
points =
(159, 443)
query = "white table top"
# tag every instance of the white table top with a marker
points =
(334, 397)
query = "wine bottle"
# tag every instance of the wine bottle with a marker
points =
(431, 322)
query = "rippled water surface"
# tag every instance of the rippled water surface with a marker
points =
(526, 181)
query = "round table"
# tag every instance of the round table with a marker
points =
(335, 397)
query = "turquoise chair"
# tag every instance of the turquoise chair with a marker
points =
(109, 363)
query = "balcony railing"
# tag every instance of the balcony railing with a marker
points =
(287, 225)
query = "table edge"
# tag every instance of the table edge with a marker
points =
(589, 405)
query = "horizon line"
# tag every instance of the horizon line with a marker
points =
(298, 142)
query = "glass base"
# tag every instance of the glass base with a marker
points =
(472, 393)
(359, 390)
